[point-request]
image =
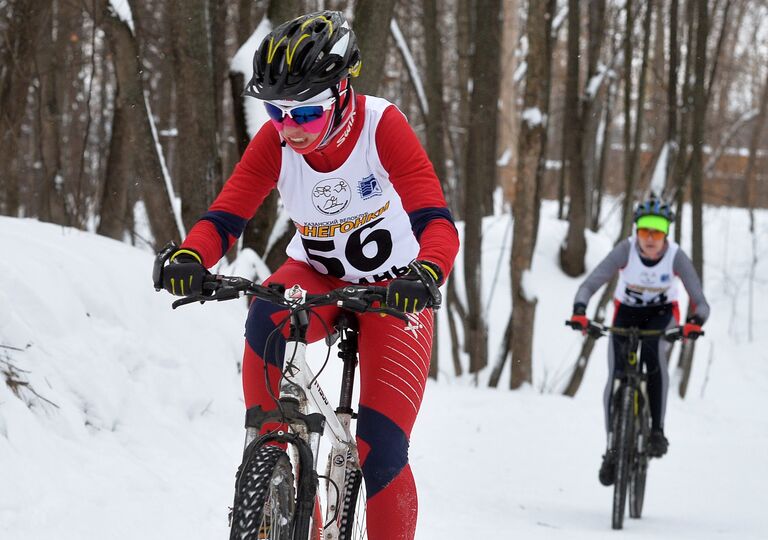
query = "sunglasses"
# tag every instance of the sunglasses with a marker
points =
(645, 234)
(301, 114)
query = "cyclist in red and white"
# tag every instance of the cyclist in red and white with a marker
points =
(366, 202)
(648, 264)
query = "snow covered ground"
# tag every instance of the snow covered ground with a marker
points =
(126, 418)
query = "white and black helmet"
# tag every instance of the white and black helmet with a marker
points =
(303, 57)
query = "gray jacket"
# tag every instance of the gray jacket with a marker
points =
(618, 258)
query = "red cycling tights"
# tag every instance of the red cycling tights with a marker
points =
(394, 364)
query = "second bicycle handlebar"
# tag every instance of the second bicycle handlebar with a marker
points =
(597, 330)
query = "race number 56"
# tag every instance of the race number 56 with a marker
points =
(366, 250)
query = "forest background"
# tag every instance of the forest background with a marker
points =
(126, 117)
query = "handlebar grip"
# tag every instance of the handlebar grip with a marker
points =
(160, 259)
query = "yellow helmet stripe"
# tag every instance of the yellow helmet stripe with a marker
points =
(354, 71)
(290, 52)
(273, 48)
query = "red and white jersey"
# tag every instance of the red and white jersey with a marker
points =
(641, 285)
(364, 205)
(348, 220)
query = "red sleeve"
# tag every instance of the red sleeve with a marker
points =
(414, 178)
(253, 178)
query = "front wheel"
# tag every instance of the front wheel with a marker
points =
(353, 515)
(264, 504)
(623, 443)
(639, 468)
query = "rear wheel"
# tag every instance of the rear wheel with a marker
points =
(264, 497)
(353, 508)
(639, 468)
(624, 446)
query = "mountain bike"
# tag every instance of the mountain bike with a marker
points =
(277, 483)
(630, 418)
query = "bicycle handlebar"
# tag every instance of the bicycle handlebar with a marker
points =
(597, 330)
(356, 298)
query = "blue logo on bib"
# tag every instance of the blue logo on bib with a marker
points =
(369, 187)
(664, 277)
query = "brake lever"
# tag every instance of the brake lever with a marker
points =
(189, 300)
(396, 313)
(673, 334)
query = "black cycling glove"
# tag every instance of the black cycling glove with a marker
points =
(411, 293)
(184, 275)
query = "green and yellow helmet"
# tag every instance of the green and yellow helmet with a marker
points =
(654, 214)
(303, 57)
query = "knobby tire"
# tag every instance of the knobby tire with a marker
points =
(639, 469)
(353, 516)
(264, 506)
(624, 444)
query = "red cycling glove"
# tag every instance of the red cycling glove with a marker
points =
(691, 330)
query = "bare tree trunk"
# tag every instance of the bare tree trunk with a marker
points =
(454, 305)
(634, 146)
(198, 166)
(242, 137)
(681, 168)
(115, 200)
(530, 173)
(465, 35)
(508, 115)
(594, 100)
(137, 146)
(697, 136)
(672, 94)
(280, 11)
(25, 26)
(220, 68)
(504, 352)
(481, 168)
(371, 25)
(637, 144)
(435, 123)
(575, 246)
(604, 149)
(50, 194)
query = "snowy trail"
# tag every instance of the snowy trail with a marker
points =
(142, 435)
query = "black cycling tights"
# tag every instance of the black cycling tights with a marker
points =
(648, 318)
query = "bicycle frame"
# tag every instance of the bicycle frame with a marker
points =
(300, 387)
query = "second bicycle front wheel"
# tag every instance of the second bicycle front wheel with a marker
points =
(264, 497)
(623, 444)
(353, 516)
(639, 468)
